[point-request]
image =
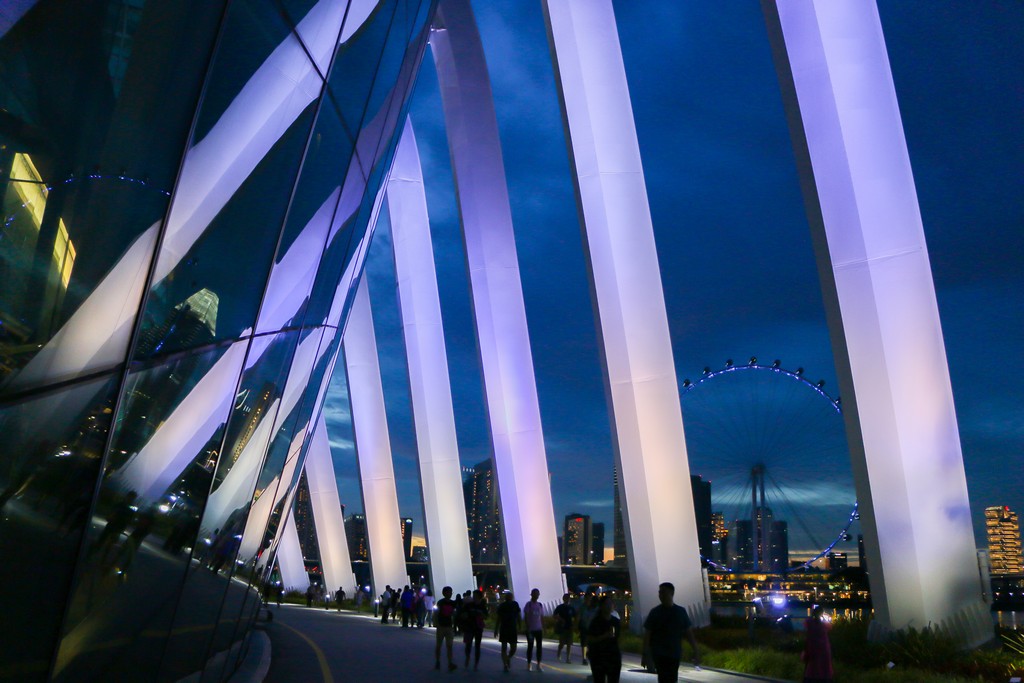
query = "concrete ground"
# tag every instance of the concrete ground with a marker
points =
(313, 646)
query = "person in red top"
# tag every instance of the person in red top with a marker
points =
(817, 654)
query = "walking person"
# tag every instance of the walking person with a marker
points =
(664, 629)
(406, 601)
(817, 654)
(587, 614)
(565, 620)
(459, 602)
(506, 629)
(445, 621)
(603, 643)
(474, 615)
(385, 604)
(421, 607)
(428, 607)
(533, 615)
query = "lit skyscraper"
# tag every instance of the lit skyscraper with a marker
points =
(719, 538)
(702, 511)
(577, 539)
(1004, 547)
(358, 542)
(597, 543)
(407, 536)
(838, 561)
(304, 523)
(482, 513)
(619, 530)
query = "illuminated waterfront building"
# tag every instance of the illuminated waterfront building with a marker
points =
(1004, 543)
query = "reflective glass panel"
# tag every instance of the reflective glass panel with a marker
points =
(235, 184)
(223, 522)
(50, 458)
(157, 474)
(309, 218)
(84, 188)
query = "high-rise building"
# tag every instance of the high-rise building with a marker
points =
(778, 546)
(407, 536)
(577, 539)
(719, 539)
(619, 530)
(597, 543)
(838, 561)
(765, 551)
(358, 540)
(480, 490)
(304, 523)
(861, 556)
(702, 512)
(1004, 545)
(741, 557)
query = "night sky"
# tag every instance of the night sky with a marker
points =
(734, 246)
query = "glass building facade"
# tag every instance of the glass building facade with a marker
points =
(186, 190)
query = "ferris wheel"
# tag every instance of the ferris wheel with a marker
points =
(773, 446)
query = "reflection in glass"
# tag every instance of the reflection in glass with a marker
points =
(83, 189)
(166, 442)
(208, 583)
(46, 487)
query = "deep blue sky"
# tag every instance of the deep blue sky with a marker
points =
(735, 252)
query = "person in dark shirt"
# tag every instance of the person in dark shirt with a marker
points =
(445, 622)
(587, 614)
(506, 629)
(474, 614)
(565, 615)
(664, 629)
(603, 643)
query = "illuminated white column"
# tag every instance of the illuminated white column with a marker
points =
(373, 446)
(289, 557)
(514, 413)
(880, 300)
(327, 517)
(660, 525)
(429, 384)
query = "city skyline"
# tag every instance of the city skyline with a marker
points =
(730, 226)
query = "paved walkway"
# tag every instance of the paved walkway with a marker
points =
(314, 646)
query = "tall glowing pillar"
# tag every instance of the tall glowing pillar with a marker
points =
(429, 384)
(880, 300)
(289, 558)
(327, 517)
(373, 446)
(520, 460)
(660, 523)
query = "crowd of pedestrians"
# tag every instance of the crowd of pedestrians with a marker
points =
(596, 622)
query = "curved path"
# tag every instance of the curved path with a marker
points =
(319, 646)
